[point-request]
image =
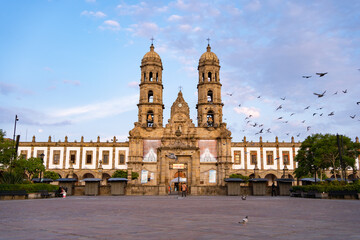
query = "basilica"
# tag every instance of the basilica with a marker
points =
(199, 153)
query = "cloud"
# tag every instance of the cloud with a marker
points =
(248, 111)
(6, 89)
(97, 14)
(254, 5)
(90, 1)
(72, 82)
(110, 25)
(97, 110)
(133, 84)
(48, 69)
(145, 29)
(175, 18)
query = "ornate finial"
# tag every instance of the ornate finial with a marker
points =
(180, 88)
(208, 39)
(152, 40)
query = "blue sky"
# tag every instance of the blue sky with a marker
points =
(71, 68)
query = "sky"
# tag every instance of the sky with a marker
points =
(72, 67)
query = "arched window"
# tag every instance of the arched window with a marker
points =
(151, 77)
(210, 96)
(150, 96)
(215, 77)
(157, 77)
(210, 119)
(209, 76)
(150, 119)
(144, 77)
(203, 76)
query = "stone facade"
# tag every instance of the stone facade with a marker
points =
(203, 155)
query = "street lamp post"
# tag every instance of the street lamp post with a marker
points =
(15, 152)
(42, 155)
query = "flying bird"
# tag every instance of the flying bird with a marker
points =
(245, 220)
(298, 135)
(292, 114)
(259, 96)
(344, 91)
(353, 116)
(314, 114)
(261, 125)
(319, 108)
(321, 115)
(321, 74)
(261, 131)
(308, 128)
(307, 107)
(320, 95)
(303, 121)
(279, 118)
(357, 103)
(279, 107)
(335, 93)
(250, 116)
(331, 114)
(287, 134)
(268, 130)
(283, 98)
(306, 76)
(286, 122)
(239, 105)
(230, 94)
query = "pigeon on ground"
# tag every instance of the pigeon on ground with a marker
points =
(243, 197)
(245, 220)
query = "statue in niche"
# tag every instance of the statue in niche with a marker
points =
(151, 156)
(207, 156)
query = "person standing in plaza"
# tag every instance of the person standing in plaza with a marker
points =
(183, 190)
(273, 190)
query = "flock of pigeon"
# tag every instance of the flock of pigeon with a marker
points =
(282, 118)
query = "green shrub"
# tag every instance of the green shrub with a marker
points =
(123, 174)
(29, 188)
(237, 175)
(327, 187)
(11, 178)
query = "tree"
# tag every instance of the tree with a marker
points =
(7, 150)
(32, 166)
(51, 174)
(320, 152)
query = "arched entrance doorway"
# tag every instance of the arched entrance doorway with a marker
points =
(271, 178)
(178, 178)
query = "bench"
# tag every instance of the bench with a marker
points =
(343, 194)
(9, 195)
(44, 193)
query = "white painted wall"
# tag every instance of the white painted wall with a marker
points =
(77, 157)
(101, 150)
(51, 158)
(242, 156)
(126, 149)
(273, 166)
(93, 163)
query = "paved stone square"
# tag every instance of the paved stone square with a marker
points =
(167, 217)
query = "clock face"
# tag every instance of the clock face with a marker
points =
(180, 105)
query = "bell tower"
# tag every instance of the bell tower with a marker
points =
(209, 106)
(151, 91)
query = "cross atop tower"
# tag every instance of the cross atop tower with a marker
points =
(208, 39)
(180, 88)
(152, 40)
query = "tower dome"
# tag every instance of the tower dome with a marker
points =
(151, 57)
(208, 57)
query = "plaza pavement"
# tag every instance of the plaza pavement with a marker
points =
(166, 217)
